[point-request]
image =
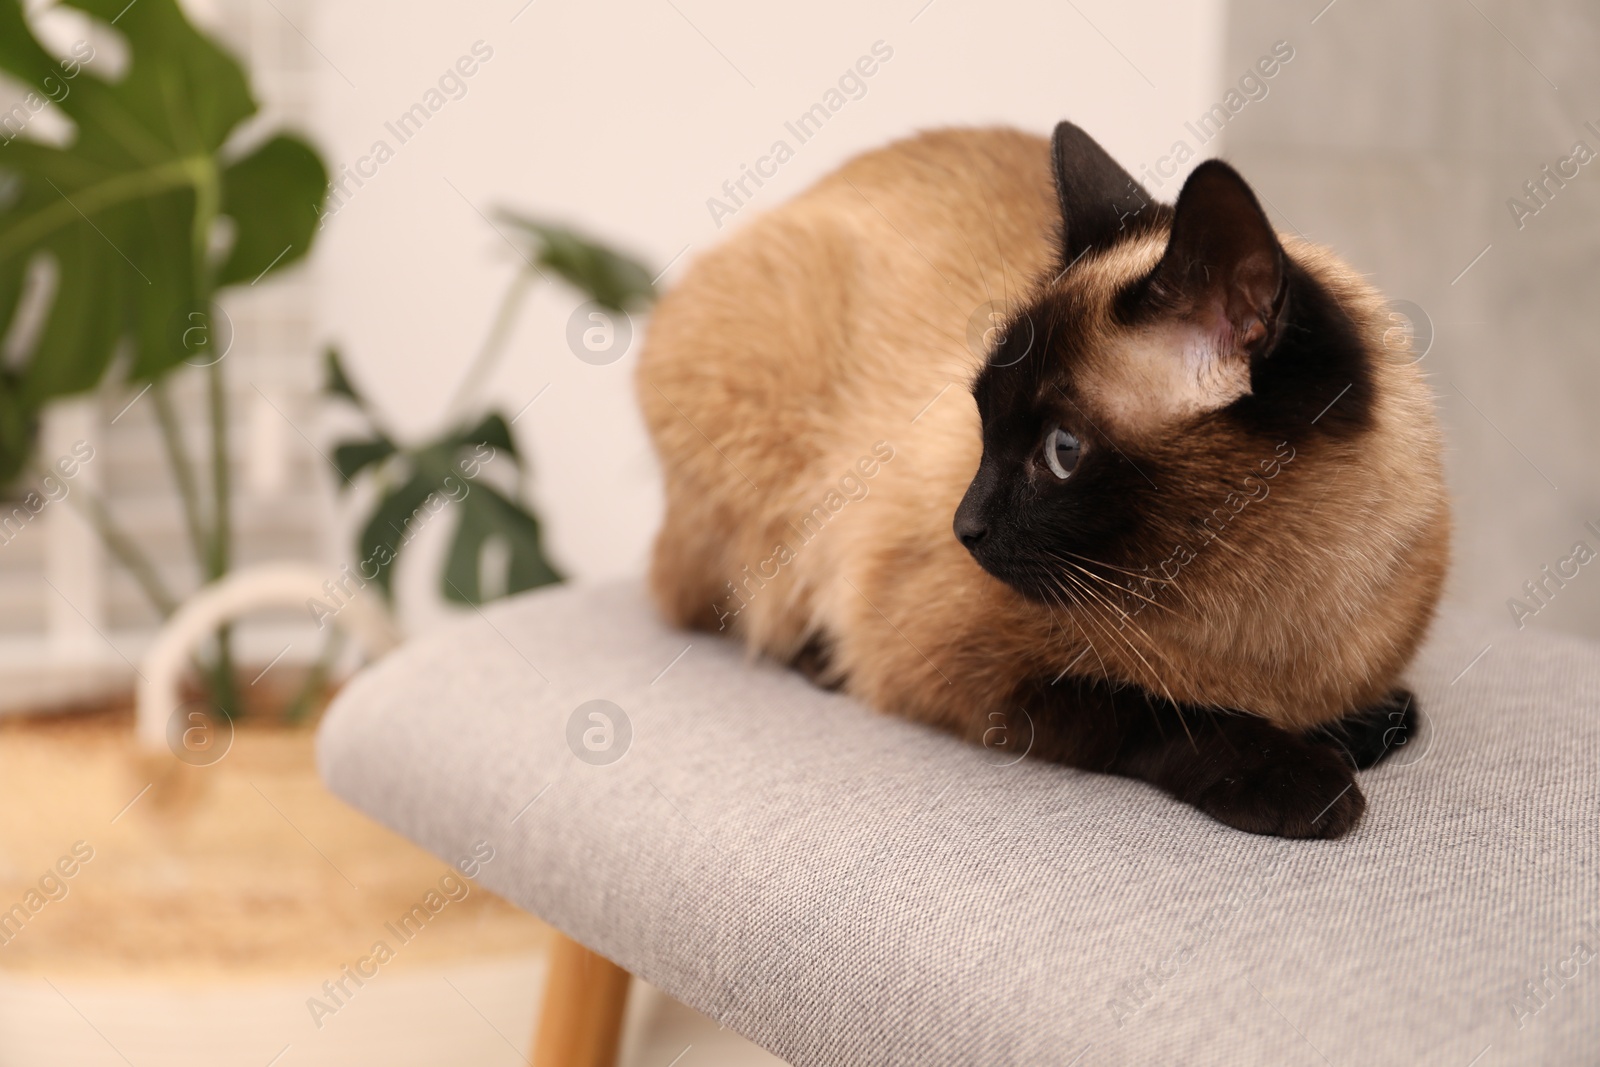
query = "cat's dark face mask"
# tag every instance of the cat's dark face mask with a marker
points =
(1151, 369)
(1052, 494)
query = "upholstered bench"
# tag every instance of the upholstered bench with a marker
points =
(846, 888)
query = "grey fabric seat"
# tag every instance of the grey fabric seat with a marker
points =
(845, 888)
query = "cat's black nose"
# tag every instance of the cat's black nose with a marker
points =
(970, 531)
(971, 523)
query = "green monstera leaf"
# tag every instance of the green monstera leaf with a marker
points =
(488, 515)
(439, 476)
(127, 212)
(610, 278)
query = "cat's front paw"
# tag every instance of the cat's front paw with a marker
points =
(1307, 791)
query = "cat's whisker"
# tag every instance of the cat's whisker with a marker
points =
(1162, 683)
(1172, 582)
(1059, 600)
(1129, 642)
(1219, 540)
(1167, 693)
(1126, 623)
(1123, 616)
(1057, 621)
(1058, 595)
(1115, 585)
(1143, 575)
(1092, 616)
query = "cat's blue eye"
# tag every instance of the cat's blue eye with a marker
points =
(1061, 452)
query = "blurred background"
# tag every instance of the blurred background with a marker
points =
(269, 331)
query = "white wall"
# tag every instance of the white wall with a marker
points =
(624, 118)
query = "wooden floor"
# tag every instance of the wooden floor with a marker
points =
(217, 902)
(247, 868)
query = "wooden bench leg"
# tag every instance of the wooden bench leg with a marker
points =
(580, 1022)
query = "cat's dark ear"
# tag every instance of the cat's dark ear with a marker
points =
(1099, 199)
(1223, 272)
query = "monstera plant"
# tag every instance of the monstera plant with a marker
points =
(114, 245)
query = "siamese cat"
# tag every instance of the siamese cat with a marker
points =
(979, 432)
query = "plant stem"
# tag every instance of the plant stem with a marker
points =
(182, 471)
(189, 489)
(494, 343)
(217, 554)
(125, 551)
(316, 679)
(217, 558)
(214, 559)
